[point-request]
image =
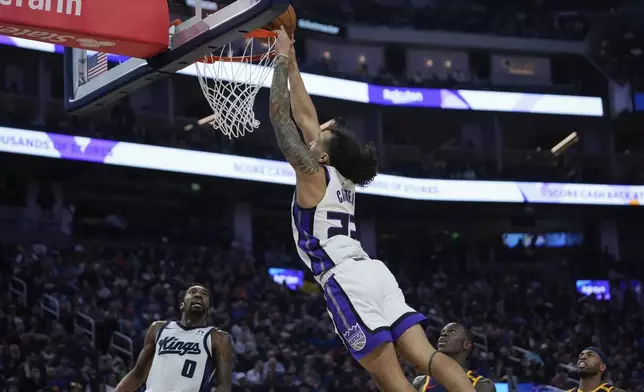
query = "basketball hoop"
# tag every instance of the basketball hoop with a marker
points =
(231, 82)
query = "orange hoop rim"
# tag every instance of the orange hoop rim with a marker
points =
(260, 34)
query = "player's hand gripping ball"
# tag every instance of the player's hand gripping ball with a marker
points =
(284, 42)
(288, 19)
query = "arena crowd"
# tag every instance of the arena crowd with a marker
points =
(527, 323)
(283, 339)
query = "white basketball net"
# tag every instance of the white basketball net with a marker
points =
(231, 87)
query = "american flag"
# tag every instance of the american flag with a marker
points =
(96, 65)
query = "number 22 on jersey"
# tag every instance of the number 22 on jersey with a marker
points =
(344, 227)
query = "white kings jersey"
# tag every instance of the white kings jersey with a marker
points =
(183, 360)
(325, 235)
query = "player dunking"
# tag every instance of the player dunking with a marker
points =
(591, 366)
(362, 295)
(185, 356)
(457, 342)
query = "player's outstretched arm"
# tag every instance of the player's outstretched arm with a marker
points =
(304, 113)
(133, 380)
(288, 139)
(485, 385)
(223, 352)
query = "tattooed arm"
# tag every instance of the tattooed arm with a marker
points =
(295, 151)
(310, 178)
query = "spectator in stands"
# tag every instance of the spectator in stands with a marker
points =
(294, 346)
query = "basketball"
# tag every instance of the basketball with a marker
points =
(288, 19)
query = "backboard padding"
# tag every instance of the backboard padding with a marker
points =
(186, 47)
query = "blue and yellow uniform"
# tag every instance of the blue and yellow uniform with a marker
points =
(426, 383)
(605, 387)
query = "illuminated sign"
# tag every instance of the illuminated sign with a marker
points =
(291, 278)
(520, 70)
(349, 90)
(306, 24)
(600, 289)
(205, 5)
(110, 152)
(638, 100)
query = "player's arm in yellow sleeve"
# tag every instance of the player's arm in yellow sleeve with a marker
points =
(485, 385)
(304, 113)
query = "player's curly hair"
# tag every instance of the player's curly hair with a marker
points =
(356, 162)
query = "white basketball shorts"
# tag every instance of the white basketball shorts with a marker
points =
(366, 305)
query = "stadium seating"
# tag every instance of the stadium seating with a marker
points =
(78, 316)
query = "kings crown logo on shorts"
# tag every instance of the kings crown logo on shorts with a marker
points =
(355, 337)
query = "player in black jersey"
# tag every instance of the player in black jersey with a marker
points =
(591, 366)
(457, 342)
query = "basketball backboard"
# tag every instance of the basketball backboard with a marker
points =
(90, 85)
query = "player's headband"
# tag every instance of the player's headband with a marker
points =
(600, 353)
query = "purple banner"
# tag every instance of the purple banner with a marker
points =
(4, 40)
(419, 97)
(52, 145)
(81, 148)
(497, 101)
